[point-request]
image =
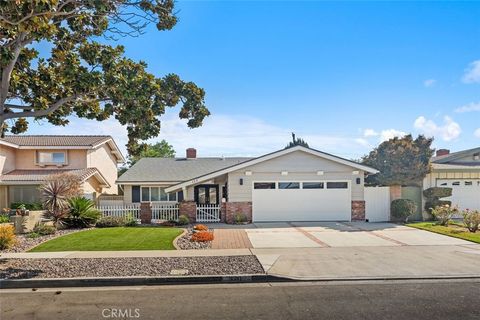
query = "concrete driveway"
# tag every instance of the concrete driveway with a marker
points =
(343, 234)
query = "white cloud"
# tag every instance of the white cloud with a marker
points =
(472, 73)
(450, 130)
(477, 133)
(228, 135)
(429, 83)
(472, 106)
(390, 134)
(369, 133)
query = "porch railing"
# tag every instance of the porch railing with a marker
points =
(164, 212)
(121, 210)
(208, 213)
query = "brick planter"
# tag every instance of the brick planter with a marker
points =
(146, 212)
(188, 208)
(233, 208)
(358, 210)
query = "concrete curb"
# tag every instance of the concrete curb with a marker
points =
(136, 281)
(176, 239)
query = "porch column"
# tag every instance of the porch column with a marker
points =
(188, 208)
(146, 212)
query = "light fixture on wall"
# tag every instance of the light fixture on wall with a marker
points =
(241, 181)
(359, 181)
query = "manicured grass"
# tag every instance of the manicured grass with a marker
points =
(113, 239)
(453, 230)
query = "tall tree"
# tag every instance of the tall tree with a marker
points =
(81, 76)
(158, 150)
(296, 142)
(401, 161)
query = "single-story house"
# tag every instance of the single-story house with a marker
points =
(294, 184)
(459, 171)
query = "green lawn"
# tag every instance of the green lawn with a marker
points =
(105, 239)
(453, 230)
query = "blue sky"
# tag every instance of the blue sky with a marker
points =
(342, 75)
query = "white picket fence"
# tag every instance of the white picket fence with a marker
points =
(121, 210)
(164, 212)
(208, 213)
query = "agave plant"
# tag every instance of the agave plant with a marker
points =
(56, 191)
(82, 213)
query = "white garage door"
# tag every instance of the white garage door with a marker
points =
(465, 192)
(301, 201)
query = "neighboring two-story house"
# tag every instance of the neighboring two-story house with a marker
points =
(25, 161)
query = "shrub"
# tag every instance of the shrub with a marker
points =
(7, 236)
(444, 213)
(402, 208)
(240, 218)
(183, 220)
(202, 236)
(471, 220)
(200, 227)
(44, 229)
(130, 220)
(28, 206)
(56, 190)
(82, 213)
(109, 222)
(4, 218)
(33, 235)
(433, 195)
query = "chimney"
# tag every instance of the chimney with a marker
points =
(191, 153)
(442, 152)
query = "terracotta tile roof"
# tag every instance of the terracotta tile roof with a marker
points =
(40, 175)
(55, 140)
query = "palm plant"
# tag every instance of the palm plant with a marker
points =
(56, 191)
(82, 213)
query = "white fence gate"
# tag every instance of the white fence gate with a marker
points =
(164, 212)
(208, 213)
(377, 204)
(121, 210)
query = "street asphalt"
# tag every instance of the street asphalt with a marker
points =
(439, 299)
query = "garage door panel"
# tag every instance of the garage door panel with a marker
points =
(465, 192)
(302, 205)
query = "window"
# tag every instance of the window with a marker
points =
(264, 185)
(157, 194)
(456, 183)
(288, 185)
(135, 194)
(25, 194)
(313, 185)
(469, 183)
(51, 157)
(444, 184)
(337, 185)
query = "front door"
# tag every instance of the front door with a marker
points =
(206, 194)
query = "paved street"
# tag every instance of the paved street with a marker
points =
(333, 300)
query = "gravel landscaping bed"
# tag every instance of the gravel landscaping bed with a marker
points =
(24, 243)
(127, 267)
(184, 242)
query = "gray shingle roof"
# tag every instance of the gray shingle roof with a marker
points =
(40, 175)
(175, 169)
(56, 140)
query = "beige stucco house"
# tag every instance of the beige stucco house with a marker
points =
(459, 171)
(294, 184)
(25, 161)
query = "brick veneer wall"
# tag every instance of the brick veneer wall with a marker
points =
(146, 212)
(188, 208)
(358, 210)
(233, 208)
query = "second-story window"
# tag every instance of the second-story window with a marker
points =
(44, 157)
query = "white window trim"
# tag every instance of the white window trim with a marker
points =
(157, 201)
(64, 163)
(349, 184)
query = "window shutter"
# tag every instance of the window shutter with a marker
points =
(135, 194)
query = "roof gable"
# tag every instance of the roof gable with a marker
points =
(460, 157)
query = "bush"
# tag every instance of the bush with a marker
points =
(4, 218)
(240, 218)
(200, 227)
(33, 235)
(433, 195)
(82, 213)
(183, 220)
(402, 208)
(7, 236)
(28, 206)
(130, 220)
(44, 229)
(471, 220)
(110, 222)
(443, 214)
(202, 236)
